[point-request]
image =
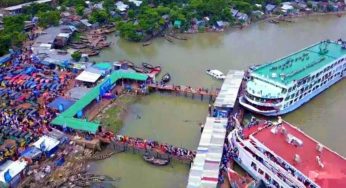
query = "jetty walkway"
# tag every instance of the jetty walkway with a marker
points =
(122, 143)
(205, 169)
(185, 91)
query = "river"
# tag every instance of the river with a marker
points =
(174, 119)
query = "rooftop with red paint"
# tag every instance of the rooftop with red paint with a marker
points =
(333, 174)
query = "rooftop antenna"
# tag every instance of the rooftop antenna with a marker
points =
(297, 158)
(319, 148)
(323, 47)
(318, 159)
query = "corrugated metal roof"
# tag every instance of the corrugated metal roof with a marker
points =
(205, 167)
(229, 90)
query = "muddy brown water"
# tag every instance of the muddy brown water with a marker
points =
(174, 119)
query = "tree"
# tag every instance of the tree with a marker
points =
(131, 14)
(14, 23)
(76, 56)
(70, 3)
(129, 31)
(49, 18)
(34, 8)
(309, 4)
(243, 6)
(108, 5)
(13, 34)
(100, 16)
(80, 10)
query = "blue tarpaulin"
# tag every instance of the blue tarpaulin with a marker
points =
(5, 59)
(7, 176)
(220, 113)
(61, 103)
(60, 161)
(29, 70)
(31, 152)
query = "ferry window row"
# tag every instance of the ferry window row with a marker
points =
(266, 176)
(304, 81)
(325, 77)
(308, 89)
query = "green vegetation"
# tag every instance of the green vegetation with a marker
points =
(148, 19)
(12, 36)
(112, 118)
(49, 18)
(35, 8)
(72, 3)
(100, 16)
(76, 37)
(76, 56)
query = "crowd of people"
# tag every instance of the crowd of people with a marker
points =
(138, 143)
(24, 97)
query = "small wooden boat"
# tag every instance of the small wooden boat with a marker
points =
(155, 161)
(89, 52)
(128, 63)
(273, 21)
(139, 69)
(78, 46)
(155, 71)
(168, 38)
(146, 44)
(178, 37)
(165, 78)
(147, 65)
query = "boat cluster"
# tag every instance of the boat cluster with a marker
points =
(146, 68)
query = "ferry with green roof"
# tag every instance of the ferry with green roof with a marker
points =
(284, 85)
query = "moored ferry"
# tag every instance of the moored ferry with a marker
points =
(281, 155)
(284, 85)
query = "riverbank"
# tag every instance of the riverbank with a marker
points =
(112, 116)
(267, 18)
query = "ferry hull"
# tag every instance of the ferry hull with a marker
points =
(294, 106)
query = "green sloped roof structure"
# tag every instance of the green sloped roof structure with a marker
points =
(67, 117)
(77, 124)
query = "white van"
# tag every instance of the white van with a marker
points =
(216, 74)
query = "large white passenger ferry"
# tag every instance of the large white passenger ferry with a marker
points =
(283, 156)
(283, 85)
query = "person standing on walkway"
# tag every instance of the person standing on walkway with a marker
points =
(209, 109)
(202, 127)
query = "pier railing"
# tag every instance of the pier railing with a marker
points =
(141, 149)
(187, 91)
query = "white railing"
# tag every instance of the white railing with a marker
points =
(274, 165)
